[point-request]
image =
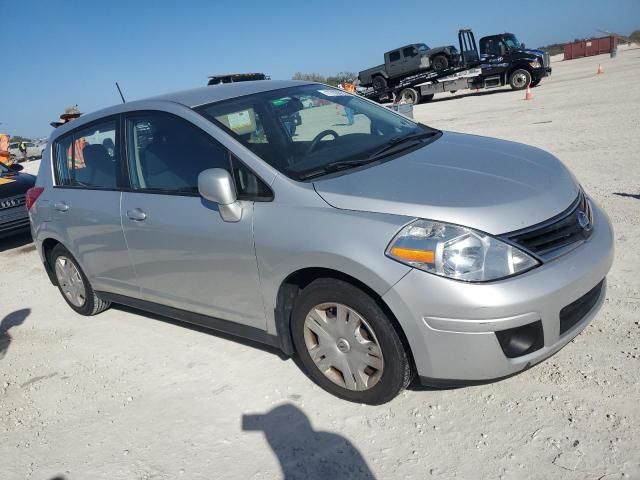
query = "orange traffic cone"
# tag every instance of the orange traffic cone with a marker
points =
(528, 95)
(600, 70)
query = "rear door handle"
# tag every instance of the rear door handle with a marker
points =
(61, 206)
(136, 214)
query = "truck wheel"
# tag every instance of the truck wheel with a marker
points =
(440, 62)
(535, 83)
(410, 95)
(379, 83)
(520, 79)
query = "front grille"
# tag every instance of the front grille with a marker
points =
(12, 202)
(550, 239)
(576, 311)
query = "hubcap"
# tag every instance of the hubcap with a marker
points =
(70, 281)
(520, 80)
(343, 346)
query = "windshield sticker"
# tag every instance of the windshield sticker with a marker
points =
(334, 93)
(240, 121)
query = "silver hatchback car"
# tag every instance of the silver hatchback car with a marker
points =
(372, 247)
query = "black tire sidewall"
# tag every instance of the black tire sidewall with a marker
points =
(87, 307)
(440, 59)
(379, 83)
(395, 357)
(513, 74)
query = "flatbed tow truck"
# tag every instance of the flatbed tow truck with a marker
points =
(474, 71)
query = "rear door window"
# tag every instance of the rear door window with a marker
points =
(88, 157)
(394, 56)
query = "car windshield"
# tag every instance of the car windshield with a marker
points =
(3, 169)
(511, 41)
(422, 47)
(310, 128)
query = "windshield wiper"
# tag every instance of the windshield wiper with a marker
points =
(412, 137)
(346, 164)
(334, 167)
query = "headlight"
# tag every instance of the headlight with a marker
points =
(534, 64)
(457, 252)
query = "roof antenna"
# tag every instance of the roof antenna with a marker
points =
(120, 92)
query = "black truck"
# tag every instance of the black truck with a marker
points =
(408, 60)
(504, 55)
(500, 61)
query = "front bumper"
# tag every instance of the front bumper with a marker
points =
(541, 72)
(13, 221)
(450, 325)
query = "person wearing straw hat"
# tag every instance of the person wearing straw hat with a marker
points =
(70, 113)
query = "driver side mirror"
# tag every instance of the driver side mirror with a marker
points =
(522, 46)
(503, 50)
(216, 185)
(16, 167)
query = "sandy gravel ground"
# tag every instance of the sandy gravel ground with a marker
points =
(124, 395)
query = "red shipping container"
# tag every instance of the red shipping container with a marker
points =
(588, 48)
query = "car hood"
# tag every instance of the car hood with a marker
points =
(16, 184)
(492, 185)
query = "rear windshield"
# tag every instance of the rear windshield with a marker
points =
(303, 128)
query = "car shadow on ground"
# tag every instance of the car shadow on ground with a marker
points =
(631, 195)
(15, 241)
(14, 319)
(305, 453)
(242, 341)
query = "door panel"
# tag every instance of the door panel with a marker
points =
(91, 220)
(86, 205)
(187, 257)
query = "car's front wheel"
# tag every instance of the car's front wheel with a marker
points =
(440, 62)
(347, 344)
(73, 283)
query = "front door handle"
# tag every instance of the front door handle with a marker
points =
(136, 214)
(61, 206)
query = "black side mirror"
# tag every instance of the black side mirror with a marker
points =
(503, 49)
(522, 46)
(16, 167)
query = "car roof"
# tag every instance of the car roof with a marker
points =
(215, 93)
(189, 98)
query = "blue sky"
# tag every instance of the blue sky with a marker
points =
(66, 52)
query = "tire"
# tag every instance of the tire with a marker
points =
(387, 371)
(535, 83)
(439, 62)
(519, 79)
(87, 303)
(410, 95)
(379, 82)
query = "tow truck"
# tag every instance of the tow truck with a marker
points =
(518, 68)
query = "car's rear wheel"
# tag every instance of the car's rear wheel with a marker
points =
(73, 283)
(379, 83)
(347, 344)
